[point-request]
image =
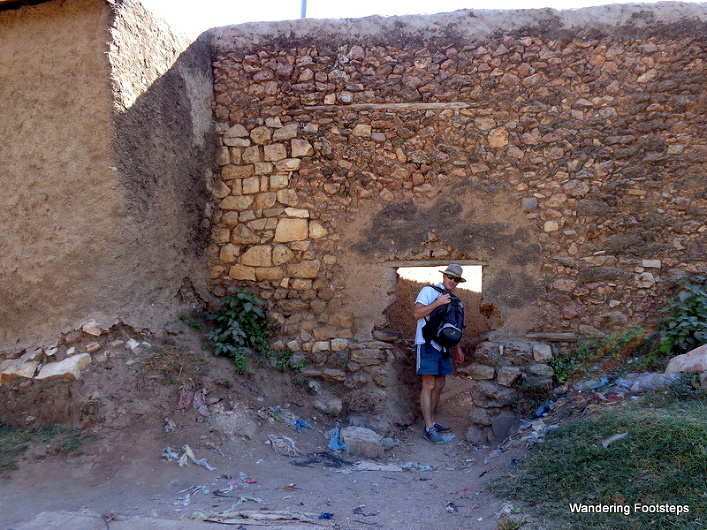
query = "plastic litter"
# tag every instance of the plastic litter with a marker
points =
(358, 510)
(302, 424)
(170, 454)
(186, 456)
(188, 492)
(326, 515)
(283, 445)
(606, 443)
(335, 443)
(186, 396)
(414, 466)
(638, 382)
(169, 425)
(285, 416)
(373, 466)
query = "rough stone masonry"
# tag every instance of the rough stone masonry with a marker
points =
(563, 150)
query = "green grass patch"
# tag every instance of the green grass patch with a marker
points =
(661, 462)
(57, 439)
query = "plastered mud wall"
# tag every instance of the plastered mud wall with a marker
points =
(105, 168)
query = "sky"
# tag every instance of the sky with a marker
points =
(193, 17)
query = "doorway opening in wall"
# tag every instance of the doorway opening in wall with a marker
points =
(412, 277)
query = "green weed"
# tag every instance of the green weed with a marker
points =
(662, 461)
(685, 326)
(59, 440)
(242, 326)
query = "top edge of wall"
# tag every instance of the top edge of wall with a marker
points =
(465, 26)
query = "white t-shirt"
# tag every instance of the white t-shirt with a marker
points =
(426, 297)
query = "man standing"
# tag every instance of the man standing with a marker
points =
(434, 362)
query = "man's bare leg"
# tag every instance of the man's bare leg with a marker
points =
(428, 402)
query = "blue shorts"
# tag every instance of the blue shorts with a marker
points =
(430, 361)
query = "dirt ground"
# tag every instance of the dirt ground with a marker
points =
(123, 473)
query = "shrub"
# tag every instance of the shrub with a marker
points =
(241, 326)
(685, 327)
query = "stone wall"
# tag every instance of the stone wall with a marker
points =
(562, 150)
(105, 164)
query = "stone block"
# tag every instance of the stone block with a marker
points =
(258, 256)
(480, 371)
(317, 231)
(330, 407)
(480, 416)
(542, 353)
(275, 152)
(291, 230)
(17, 369)
(261, 135)
(339, 344)
(542, 370)
(288, 164)
(231, 172)
(241, 272)
(362, 442)
(507, 375)
(301, 147)
(488, 394)
(367, 357)
(287, 132)
(477, 435)
(306, 269)
(278, 182)
(333, 375)
(236, 131)
(236, 203)
(488, 353)
(269, 273)
(502, 425)
(69, 368)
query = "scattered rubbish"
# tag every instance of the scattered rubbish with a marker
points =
(169, 425)
(639, 382)
(170, 454)
(606, 443)
(188, 492)
(516, 461)
(283, 445)
(183, 459)
(200, 403)
(328, 459)
(302, 424)
(413, 466)
(448, 437)
(335, 443)
(186, 396)
(285, 416)
(358, 510)
(290, 487)
(373, 466)
(451, 507)
(326, 515)
(218, 451)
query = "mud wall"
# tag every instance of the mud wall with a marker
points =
(104, 167)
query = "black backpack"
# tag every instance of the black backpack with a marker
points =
(444, 325)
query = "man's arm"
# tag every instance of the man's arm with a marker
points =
(421, 311)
